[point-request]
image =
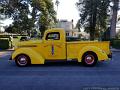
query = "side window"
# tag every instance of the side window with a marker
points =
(53, 36)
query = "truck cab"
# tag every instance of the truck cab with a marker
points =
(55, 47)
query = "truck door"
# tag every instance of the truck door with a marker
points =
(54, 46)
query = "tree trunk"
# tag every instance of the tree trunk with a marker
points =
(92, 35)
(92, 26)
(114, 19)
(93, 22)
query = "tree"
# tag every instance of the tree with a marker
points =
(78, 25)
(57, 4)
(8, 29)
(114, 18)
(47, 15)
(18, 10)
(29, 14)
(93, 15)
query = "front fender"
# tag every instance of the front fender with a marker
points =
(100, 54)
(35, 57)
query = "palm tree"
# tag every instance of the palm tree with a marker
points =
(57, 4)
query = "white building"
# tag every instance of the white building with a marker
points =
(65, 24)
(68, 27)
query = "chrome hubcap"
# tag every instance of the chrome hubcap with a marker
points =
(22, 60)
(89, 59)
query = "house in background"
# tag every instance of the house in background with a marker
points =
(68, 27)
(70, 30)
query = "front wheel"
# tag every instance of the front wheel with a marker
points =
(89, 59)
(22, 60)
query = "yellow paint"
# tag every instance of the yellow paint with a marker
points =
(41, 50)
(35, 57)
(77, 49)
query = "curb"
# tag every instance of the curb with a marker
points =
(6, 50)
(9, 50)
(2, 52)
(115, 50)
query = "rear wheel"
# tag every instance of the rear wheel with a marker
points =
(22, 60)
(89, 59)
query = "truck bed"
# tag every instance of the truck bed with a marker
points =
(76, 46)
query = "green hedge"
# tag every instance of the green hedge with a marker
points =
(4, 44)
(115, 43)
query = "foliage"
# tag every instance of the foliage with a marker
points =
(29, 14)
(78, 25)
(48, 15)
(106, 35)
(4, 43)
(93, 16)
(115, 43)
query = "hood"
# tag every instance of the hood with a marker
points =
(30, 43)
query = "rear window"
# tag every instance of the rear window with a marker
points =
(71, 39)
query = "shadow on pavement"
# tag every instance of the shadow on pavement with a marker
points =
(67, 64)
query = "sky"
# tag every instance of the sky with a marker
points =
(7, 22)
(67, 10)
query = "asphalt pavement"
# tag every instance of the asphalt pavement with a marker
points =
(60, 76)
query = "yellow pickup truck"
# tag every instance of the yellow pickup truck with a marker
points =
(56, 47)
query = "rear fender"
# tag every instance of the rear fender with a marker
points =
(100, 53)
(33, 55)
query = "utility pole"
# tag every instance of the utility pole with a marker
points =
(114, 18)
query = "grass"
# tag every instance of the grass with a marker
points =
(15, 41)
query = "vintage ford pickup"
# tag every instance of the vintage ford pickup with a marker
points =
(56, 47)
